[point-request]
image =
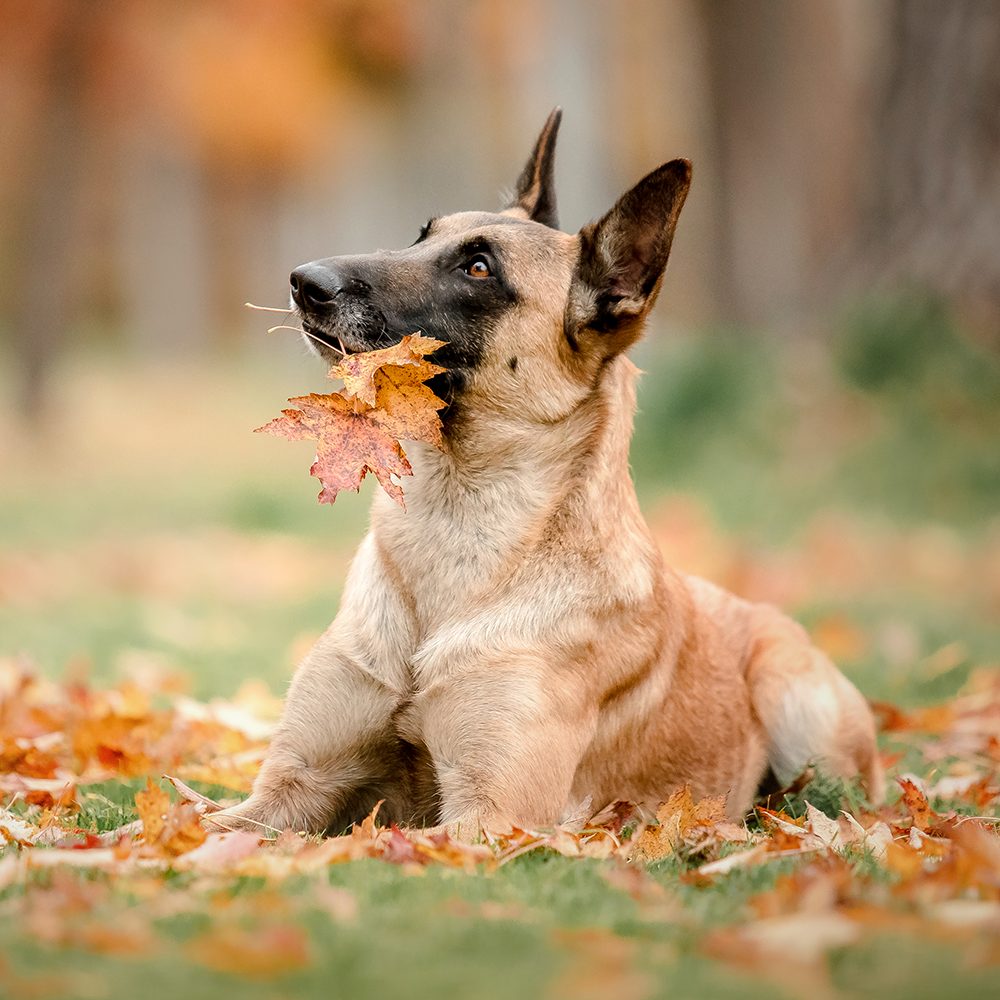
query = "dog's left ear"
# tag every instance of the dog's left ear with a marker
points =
(535, 193)
(622, 259)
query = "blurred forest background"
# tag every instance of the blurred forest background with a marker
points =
(820, 419)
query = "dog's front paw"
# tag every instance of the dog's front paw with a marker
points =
(249, 816)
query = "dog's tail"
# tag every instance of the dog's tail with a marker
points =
(812, 714)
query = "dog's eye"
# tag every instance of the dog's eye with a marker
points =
(478, 268)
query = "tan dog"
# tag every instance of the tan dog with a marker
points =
(512, 643)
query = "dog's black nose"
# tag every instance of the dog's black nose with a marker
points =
(314, 287)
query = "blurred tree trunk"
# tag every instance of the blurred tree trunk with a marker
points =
(783, 139)
(934, 214)
(46, 215)
(741, 39)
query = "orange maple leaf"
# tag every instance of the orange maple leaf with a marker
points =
(678, 816)
(917, 806)
(152, 804)
(365, 375)
(358, 429)
(170, 829)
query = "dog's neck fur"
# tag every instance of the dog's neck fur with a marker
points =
(490, 499)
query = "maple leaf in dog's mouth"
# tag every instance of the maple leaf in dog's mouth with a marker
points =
(358, 429)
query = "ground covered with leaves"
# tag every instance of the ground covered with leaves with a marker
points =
(109, 877)
(158, 584)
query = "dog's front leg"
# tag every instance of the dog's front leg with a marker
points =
(506, 735)
(337, 750)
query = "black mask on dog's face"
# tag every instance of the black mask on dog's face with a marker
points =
(451, 284)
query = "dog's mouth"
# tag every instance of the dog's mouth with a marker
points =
(331, 341)
(340, 343)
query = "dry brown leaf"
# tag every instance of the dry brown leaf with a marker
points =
(801, 937)
(917, 806)
(821, 826)
(358, 430)
(256, 954)
(738, 859)
(338, 903)
(602, 967)
(367, 830)
(182, 830)
(152, 804)
(680, 816)
(202, 803)
(221, 851)
(350, 444)
(903, 859)
(372, 375)
(169, 829)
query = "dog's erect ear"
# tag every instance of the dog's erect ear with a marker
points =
(623, 256)
(535, 192)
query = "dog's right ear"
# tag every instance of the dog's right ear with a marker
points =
(622, 258)
(535, 193)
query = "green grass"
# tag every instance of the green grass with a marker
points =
(542, 926)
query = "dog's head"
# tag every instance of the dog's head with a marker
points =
(530, 315)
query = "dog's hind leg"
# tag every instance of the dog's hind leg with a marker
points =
(810, 712)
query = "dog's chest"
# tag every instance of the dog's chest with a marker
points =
(455, 555)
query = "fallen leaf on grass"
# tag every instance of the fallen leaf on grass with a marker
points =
(29, 762)
(826, 830)
(340, 904)
(677, 818)
(802, 937)
(119, 937)
(601, 966)
(592, 841)
(96, 857)
(89, 742)
(151, 804)
(738, 859)
(358, 430)
(202, 803)
(117, 742)
(875, 838)
(262, 953)
(916, 805)
(182, 830)
(937, 719)
(221, 851)
(15, 829)
(966, 912)
(170, 829)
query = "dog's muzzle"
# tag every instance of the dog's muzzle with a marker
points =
(316, 287)
(318, 292)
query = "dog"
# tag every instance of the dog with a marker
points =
(511, 649)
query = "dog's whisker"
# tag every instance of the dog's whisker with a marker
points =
(270, 309)
(311, 336)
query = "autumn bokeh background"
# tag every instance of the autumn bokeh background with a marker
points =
(820, 415)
